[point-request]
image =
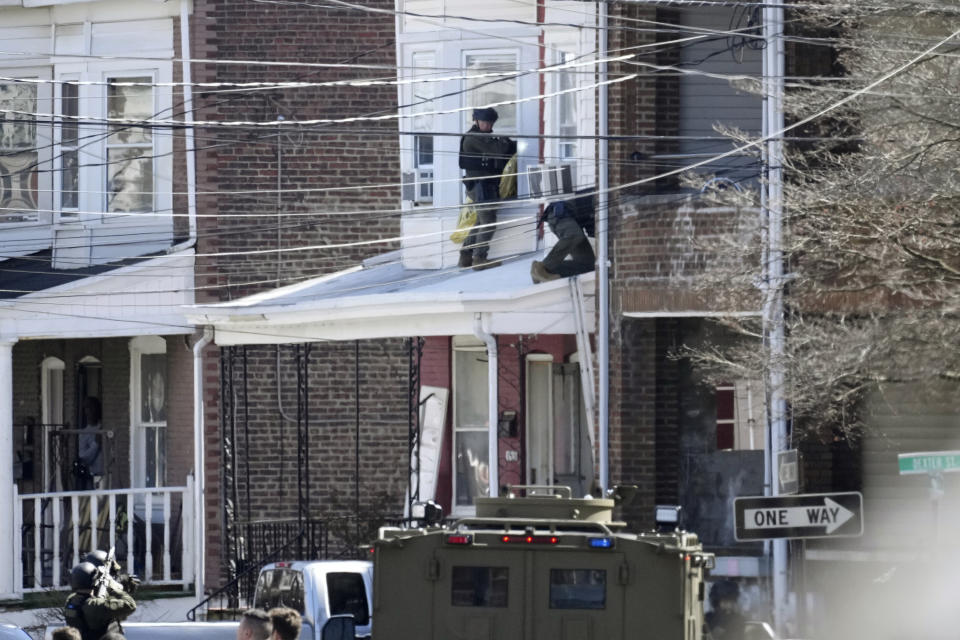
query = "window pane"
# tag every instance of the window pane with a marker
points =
(129, 179)
(129, 103)
(150, 457)
(472, 389)
(348, 596)
(483, 91)
(578, 589)
(18, 153)
(479, 586)
(473, 471)
(424, 93)
(69, 102)
(280, 588)
(71, 180)
(153, 388)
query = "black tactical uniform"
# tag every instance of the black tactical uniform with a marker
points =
(94, 616)
(482, 157)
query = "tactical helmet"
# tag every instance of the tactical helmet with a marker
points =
(487, 114)
(97, 558)
(82, 575)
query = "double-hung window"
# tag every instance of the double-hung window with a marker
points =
(423, 102)
(24, 147)
(129, 146)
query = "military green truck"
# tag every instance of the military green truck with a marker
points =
(538, 564)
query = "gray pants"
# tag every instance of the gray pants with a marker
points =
(571, 241)
(478, 240)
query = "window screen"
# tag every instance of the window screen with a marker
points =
(348, 596)
(578, 589)
(479, 586)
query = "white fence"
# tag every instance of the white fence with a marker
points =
(150, 529)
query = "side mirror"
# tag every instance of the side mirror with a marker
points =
(340, 627)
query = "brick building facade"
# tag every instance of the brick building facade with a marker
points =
(265, 193)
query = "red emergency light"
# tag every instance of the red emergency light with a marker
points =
(459, 538)
(528, 539)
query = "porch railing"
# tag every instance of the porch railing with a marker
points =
(151, 530)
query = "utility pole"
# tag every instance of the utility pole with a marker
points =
(773, 74)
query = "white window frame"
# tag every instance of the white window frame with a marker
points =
(539, 445)
(140, 346)
(93, 172)
(51, 413)
(70, 213)
(128, 75)
(499, 128)
(422, 126)
(43, 142)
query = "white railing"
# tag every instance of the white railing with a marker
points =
(150, 529)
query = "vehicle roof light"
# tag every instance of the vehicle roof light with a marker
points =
(529, 539)
(601, 543)
(459, 538)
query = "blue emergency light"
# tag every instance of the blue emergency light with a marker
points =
(601, 543)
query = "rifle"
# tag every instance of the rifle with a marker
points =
(103, 579)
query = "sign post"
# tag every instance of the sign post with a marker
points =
(810, 515)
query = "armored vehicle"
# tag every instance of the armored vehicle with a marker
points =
(538, 564)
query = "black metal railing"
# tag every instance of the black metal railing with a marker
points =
(267, 541)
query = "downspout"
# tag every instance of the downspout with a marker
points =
(603, 284)
(493, 409)
(199, 477)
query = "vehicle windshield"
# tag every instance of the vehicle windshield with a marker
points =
(280, 588)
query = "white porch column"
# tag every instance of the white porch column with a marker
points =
(8, 559)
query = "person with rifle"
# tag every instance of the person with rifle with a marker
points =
(98, 603)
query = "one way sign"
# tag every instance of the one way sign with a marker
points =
(811, 515)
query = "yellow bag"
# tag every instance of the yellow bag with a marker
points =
(508, 180)
(465, 222)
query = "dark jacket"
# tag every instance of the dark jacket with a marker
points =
(94, 616)
(484, 155)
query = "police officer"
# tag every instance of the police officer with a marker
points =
(571, 221)
(91, 613)
(482, 157)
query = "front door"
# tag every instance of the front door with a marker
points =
(559, 450)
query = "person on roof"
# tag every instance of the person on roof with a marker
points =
(483, 157)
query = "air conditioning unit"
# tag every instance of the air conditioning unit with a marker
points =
(549, 180)
(417, 185)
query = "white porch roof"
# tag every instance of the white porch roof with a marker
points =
(382, 299)
(144, 298)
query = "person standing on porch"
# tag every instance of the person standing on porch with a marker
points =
(482, 157)
(90, 447)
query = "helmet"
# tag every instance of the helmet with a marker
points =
(487, 114)
(82, 575)
(724, 590)
(97, 558)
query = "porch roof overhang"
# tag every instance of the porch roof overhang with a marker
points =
(141, 297)
(382, 299)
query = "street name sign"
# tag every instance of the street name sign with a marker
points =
(808, 515)
(928, 462)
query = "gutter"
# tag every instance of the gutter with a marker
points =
(199, 480)
(493, 397)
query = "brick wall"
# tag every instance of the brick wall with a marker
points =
(239, 170)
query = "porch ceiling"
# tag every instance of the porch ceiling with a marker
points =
(382, 299)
